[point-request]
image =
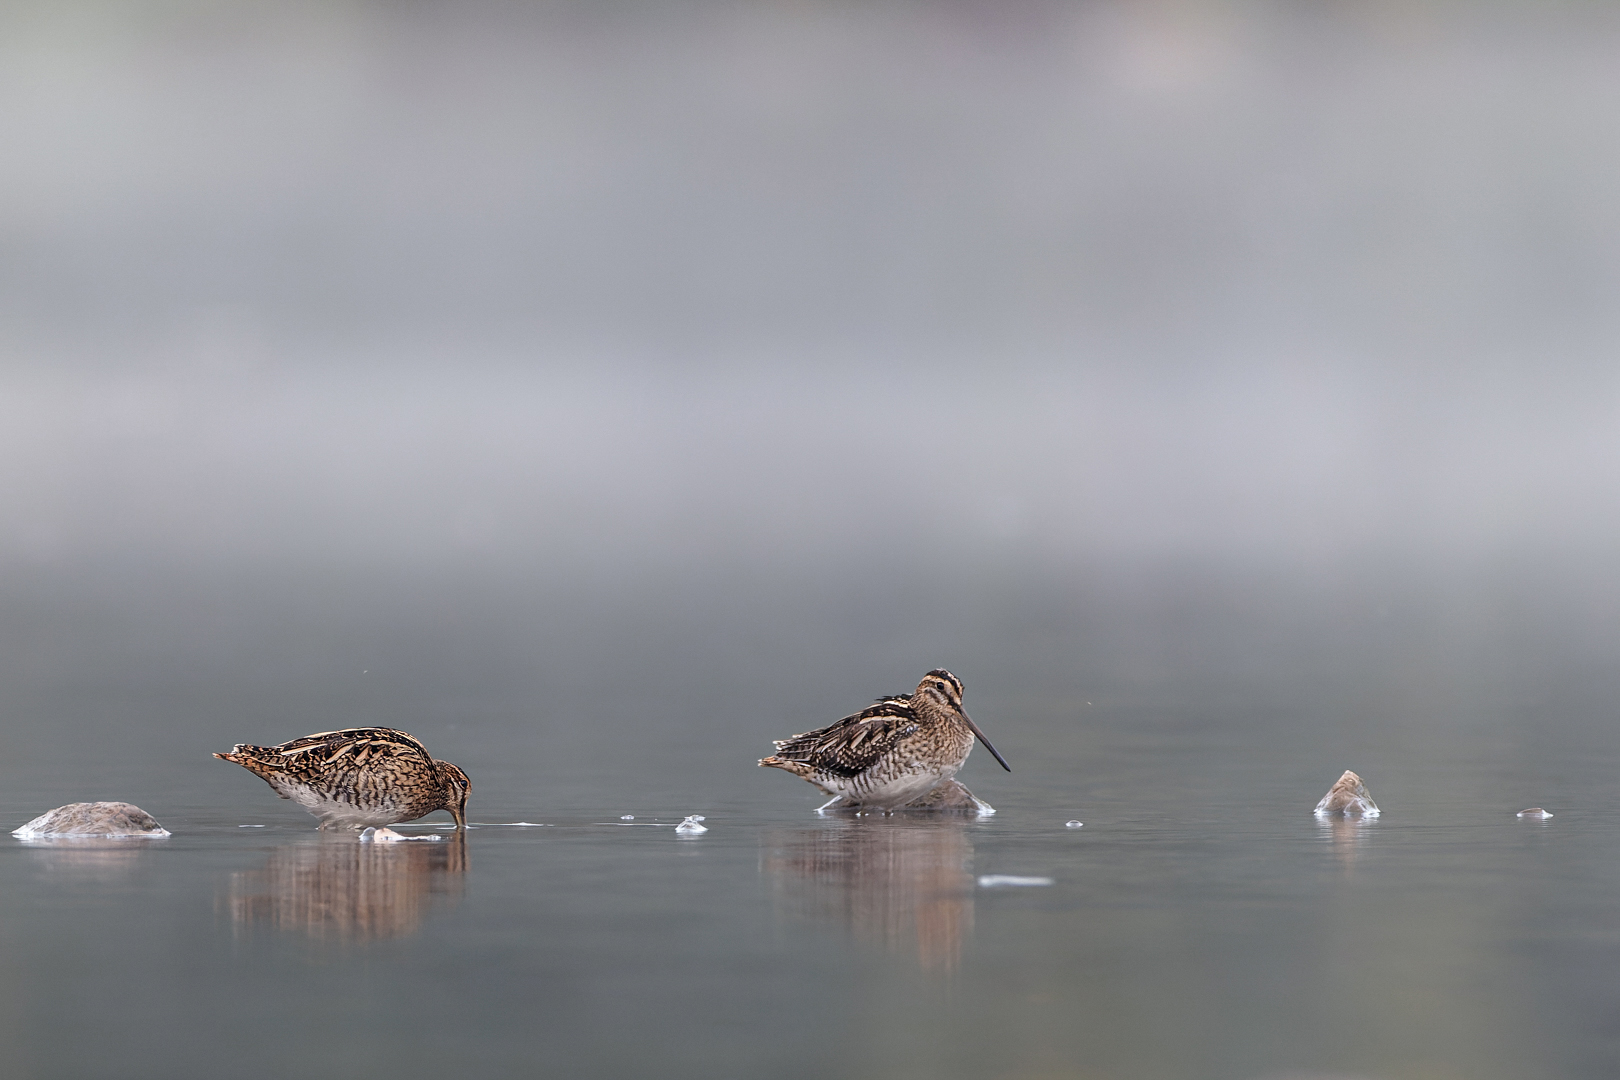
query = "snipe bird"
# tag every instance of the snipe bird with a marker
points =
(890, 753)
(358, 777)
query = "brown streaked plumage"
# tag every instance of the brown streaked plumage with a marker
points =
(358, 777)
(890, 753)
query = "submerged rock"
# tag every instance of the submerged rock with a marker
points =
(385, 835)
(112, 819)
(951, 795)
(1534, 812)
(1347, 798)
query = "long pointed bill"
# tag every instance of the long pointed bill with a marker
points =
(980, 736)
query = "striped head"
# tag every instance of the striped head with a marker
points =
(941, 687)
(456, 789)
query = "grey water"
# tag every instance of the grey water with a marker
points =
(1201, 922)
(1223, 390)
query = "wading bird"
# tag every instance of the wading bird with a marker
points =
(891, 753)
(358, 777)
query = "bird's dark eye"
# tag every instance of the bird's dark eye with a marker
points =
(941, 688)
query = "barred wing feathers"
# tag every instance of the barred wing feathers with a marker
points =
(853, 744)
(351, 747)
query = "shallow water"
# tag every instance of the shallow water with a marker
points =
(1201, 922)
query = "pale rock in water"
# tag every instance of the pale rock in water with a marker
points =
(385, 835)
(109, 819)
(1347, 798)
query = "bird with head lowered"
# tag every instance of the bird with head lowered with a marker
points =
(358, 777)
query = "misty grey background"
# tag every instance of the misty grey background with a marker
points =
(1223, 390)
(588, 346)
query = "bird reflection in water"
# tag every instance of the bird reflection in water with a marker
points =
(889, 881)
(341, 889)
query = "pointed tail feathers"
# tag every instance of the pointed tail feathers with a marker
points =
(797, 768)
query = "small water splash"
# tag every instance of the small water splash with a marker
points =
(629, 821)
(1073, 824)
(1000, 881)
(627, 817)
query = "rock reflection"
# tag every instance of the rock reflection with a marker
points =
(1348, 836)
(92, 858)
(341, 889)
(890, 882)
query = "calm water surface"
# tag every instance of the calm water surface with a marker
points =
(1201, 923)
